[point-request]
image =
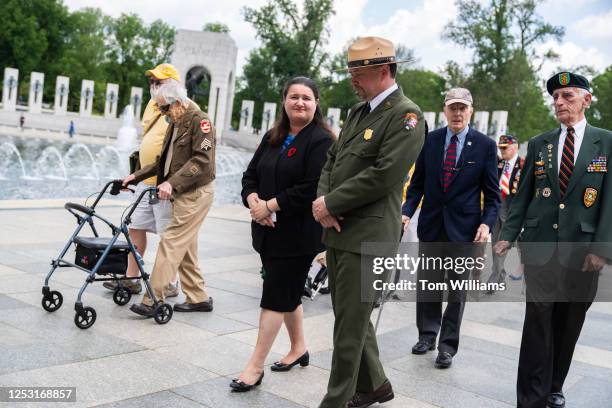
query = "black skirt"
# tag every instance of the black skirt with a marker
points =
(284, 280)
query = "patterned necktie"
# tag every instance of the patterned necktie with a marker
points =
(504, 183)
(449, 161)
(567, 161)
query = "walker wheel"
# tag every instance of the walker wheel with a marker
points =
(52, 301)
(122, 296)
(163, 313)
(85, 318)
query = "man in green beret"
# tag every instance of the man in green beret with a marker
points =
(359, 200)
(564, 208)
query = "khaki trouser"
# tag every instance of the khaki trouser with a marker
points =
(178, 248)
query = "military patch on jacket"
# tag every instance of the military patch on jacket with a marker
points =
(206, 145)
(410, 121)
(590, 195)
(205, 126)
(598, 165)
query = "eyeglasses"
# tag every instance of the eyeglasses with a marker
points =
(164, 108)
(154, 82)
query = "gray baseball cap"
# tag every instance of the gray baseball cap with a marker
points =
(458, 95)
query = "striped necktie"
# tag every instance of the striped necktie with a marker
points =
(449, 161)
(504, 183)
(567, 161)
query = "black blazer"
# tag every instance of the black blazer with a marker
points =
(291, 177)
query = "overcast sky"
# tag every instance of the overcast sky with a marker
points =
(414, 23)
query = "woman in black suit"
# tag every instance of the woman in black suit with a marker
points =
(279, 186)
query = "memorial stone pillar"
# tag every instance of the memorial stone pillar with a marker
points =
(87, 95)
(9, 90)
(136, 101)
(268, 117)
(37, 82)
(333, 119)
(62, 87)
(246, 116)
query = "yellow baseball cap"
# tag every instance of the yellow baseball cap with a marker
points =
(163, 71)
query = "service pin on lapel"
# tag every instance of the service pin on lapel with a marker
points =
(469, 143)
(367, 135)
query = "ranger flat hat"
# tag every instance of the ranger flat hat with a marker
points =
(566, 80)
(370, 52)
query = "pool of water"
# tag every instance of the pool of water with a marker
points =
(40, 168)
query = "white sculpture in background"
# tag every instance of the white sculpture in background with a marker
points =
(430, 119)
(127, 135)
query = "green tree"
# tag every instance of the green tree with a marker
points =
(600, 113)
(32, 36)
(133, 48)
(503, 74)
(425, 88)
(84, 56)
(216, 27)
(292, 44)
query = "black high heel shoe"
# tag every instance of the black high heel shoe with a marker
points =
(302, 361)
(240, 386)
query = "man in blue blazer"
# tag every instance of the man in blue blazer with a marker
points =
(455, 167)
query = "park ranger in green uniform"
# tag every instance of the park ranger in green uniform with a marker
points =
(359, 200)
(564, 206)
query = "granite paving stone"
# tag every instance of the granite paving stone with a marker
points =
(125, 360)
(217, 393)
(163, 399)
(221, 355)
(113, 378)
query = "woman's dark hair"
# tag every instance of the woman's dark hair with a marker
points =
(281, 128)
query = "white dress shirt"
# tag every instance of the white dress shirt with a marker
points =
(381, 96)
(579, 129)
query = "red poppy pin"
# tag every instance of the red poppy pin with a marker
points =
(291, 152)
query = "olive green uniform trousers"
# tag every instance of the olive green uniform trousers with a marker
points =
(355, 362)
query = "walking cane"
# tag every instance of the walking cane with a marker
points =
(388, 292)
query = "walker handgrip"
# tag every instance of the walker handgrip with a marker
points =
(79, 207)
(116, 187)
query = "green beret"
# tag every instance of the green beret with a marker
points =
(567, 80)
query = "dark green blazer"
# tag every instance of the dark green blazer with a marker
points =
(365, 170)
(576, 224)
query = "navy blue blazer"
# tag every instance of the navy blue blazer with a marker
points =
(458, 210)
